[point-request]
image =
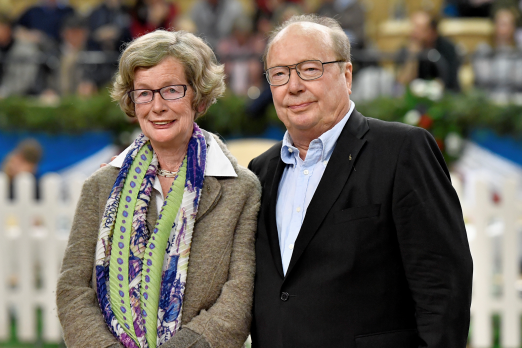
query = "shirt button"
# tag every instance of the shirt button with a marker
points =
(290, 150)
(291, 247)
(285, 296)
(325, 162)
(298, 209)
(305, 172)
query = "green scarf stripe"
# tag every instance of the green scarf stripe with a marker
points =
(155, 254)
(119, 262)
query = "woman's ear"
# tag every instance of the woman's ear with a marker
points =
(201, 108)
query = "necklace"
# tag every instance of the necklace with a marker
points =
(168, 173)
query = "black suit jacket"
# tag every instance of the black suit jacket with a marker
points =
(382, 259)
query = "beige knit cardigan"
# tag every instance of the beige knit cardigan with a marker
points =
(218, 296)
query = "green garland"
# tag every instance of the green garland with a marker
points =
(453, 114)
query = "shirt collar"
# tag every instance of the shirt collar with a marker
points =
(217, 164)
(289, 153)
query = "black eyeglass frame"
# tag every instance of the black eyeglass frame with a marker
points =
(154, 91)
(297, 71)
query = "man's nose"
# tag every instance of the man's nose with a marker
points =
(295, 83)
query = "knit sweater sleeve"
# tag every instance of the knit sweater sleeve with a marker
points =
(82, 322)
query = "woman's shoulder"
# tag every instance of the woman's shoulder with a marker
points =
(104, 176)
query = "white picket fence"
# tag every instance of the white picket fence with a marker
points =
(33, 236)
(494, 235)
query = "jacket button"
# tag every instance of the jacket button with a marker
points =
(284, 296)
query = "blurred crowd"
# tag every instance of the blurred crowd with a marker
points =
(53, 50)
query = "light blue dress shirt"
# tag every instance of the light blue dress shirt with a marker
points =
(299, 182)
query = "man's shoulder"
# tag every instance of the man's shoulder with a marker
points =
(260, 162)
(387, 128)
(393, 134)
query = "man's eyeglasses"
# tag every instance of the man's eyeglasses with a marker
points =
(142, 96)
(307, 70)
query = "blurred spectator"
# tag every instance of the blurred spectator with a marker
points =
(505, 26)
(72, 77)
(285, 11)
(350, 15)
(149, 15)
(241, 54)
(515, 6)
(185, 23)
(268, 7)
(214, 18)
(467, 8)
(498, 69)
(109, 26)
(24, 158)
(428, 55)
(42, 22)
(18, 66)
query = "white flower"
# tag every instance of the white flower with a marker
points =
(412, 117)
(453, 143)
(418, 87)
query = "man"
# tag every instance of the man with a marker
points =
(361, 241)
(429, 55)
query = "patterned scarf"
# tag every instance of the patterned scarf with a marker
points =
(141, 274)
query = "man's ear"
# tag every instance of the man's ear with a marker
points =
(348, 75)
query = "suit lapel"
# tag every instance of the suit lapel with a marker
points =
(274, 173)
(334, 179)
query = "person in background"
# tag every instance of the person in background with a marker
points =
(73, 75)
(109, 30)
(23, 159)
(109, 27)
(149, 15)
(214, 19)
(360, 240)
(161, 251)
(41, 25)
(351, 17)
(42, 22)
(428, 55)
(505, 21)
(240, 53)
(19, 62)
(498, 69)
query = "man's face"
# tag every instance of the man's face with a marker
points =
(309, 107)
(421, 32)
(505, 25)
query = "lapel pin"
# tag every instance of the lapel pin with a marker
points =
(349, 159)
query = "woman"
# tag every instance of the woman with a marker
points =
(175, 272)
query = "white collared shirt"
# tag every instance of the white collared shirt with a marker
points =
(217, 164)
(299, 182)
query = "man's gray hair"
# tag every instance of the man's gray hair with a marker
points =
(340, 42)
(202, 71)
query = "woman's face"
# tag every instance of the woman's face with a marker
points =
(167, 123)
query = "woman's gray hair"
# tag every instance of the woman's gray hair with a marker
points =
(202, 71)
(340, 42)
